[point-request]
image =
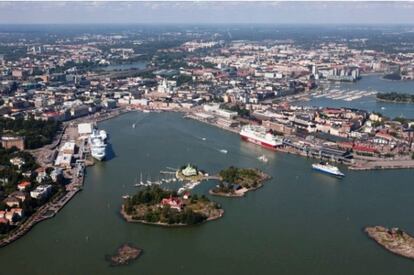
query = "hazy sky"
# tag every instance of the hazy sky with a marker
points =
(207, 12)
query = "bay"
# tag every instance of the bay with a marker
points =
(300, 222)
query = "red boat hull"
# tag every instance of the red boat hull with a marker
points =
(258, 142)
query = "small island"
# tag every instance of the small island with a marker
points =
(189, 173)
(236, 182)
(394, 240)
(125, 255)
(154, 205)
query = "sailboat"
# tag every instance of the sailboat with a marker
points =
(140, 183)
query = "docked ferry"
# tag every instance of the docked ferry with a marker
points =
(259, 135)
(97, 142)
(328, 169)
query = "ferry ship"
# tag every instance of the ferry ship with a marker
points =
(327, 168)
(259, 135)
(97, 142)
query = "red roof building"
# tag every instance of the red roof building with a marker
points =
(23, 185)
(174, 203)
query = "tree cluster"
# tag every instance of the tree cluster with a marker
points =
(245, 177)
(37, 133)
(150, 195)
(397, 97)
(173, 216)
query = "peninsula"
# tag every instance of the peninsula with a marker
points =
(394, 240)
(154, 205)
(236, 182)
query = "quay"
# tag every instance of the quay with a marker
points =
(292, 145)
(382, 165)
(289, 146)
(192, 116)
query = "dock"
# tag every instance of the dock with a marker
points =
(382, 165)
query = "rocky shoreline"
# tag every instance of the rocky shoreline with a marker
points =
(394, 240)
(125, 254)
(237, 194)
(130, 219)
(394, 101)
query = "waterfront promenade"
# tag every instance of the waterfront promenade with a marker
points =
(45, 212)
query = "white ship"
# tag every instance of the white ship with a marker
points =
(259, 135)
(327, 168)
(97, 142)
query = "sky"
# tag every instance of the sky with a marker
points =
(206, 12)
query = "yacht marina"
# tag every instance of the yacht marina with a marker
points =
(345, 95)
(361, 95)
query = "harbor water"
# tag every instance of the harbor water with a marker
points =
(300, 222)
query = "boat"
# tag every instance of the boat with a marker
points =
(141, 182)
(181, 190)
(133, 125)
(259, 135)
(224, 151)
(327, 168)
(263, 158)
(125, 197)
(97, 143)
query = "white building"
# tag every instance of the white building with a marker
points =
(68, 147)
(64, 160)
(215, 108)
(85, 128)
(18, 162)
(42, 191)
(226, 113)
(211, 107)
(189, 171)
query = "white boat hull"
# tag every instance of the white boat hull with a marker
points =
(328, 171)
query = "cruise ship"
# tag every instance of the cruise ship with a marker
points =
(97, 141)
(259, 135)
(327, 168)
